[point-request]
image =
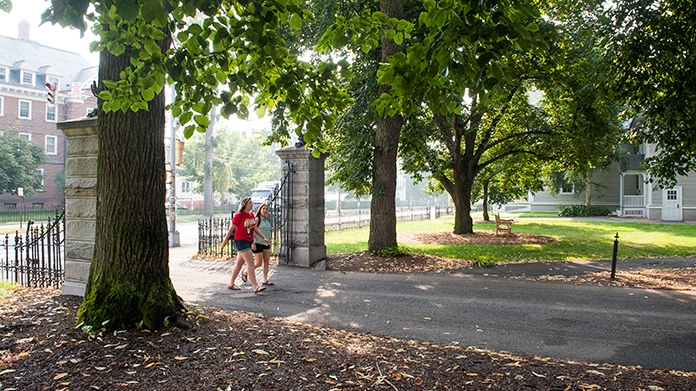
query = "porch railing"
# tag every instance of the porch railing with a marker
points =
(632, 201)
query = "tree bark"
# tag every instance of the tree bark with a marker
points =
(463, 223)
(129, 284)
(485, 201)
(383, 206)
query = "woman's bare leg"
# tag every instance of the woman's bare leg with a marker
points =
(235, 271)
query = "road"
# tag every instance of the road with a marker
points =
(655, 329)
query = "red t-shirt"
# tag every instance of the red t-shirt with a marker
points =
(245, 223)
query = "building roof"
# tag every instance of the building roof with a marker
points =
(70, 66)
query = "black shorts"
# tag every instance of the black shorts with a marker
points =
(260, 248)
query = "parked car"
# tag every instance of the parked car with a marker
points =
(179, 206)
(259, 196)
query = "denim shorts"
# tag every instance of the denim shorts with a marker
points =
(242, 246)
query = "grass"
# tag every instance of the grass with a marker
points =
(5, 290)
(577, 240)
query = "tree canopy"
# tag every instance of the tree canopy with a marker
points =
(654, 48)
(234, 59)
(20, 162)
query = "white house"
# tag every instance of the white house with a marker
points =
(626, 190)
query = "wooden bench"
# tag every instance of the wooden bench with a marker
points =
(502, 226)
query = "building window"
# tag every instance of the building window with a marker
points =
(50, 112)
(40, 171)
(25, 109)
(186, 187)
(567, 188)
(51, 145)
(25, 136)
(2, 105)
(28, 78)
(3, 74)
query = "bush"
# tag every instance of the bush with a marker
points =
(582, 211)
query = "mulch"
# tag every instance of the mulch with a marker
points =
(42, 349)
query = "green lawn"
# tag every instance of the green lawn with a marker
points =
(578, 240)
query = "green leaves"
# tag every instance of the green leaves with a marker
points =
(6, 5)
(127, 9)
(295, 22)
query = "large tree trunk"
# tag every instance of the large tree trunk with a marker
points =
(129, 282)
(463, 223)
(383, 207)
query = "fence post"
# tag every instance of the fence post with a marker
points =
(613, 258)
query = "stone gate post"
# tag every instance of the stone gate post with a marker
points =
(305, 202)
(80, 202)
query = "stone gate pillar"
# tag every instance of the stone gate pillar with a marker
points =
(304, 198)
(80, 202)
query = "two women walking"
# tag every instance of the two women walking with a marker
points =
(243, 228)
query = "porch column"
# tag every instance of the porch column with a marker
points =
(305, 206)
(621, 193)
(80, 202)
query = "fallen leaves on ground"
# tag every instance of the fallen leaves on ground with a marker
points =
(40, 349)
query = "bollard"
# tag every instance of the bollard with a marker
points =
(613, 258)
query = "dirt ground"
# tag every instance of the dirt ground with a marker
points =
(41, 349)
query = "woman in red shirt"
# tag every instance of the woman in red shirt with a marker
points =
(244, 226)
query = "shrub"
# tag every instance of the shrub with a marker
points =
(582, 211)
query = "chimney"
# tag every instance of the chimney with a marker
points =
(23, 30)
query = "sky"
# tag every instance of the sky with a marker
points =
(47, 34)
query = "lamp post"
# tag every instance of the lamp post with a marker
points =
(20, 194)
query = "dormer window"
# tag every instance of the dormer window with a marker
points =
(3, 74)
(28, 78)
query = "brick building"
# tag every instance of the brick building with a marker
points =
(25, 68)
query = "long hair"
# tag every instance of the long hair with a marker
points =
(243, 203)
(258, 211)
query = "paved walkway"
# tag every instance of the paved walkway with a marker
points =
(473, 307)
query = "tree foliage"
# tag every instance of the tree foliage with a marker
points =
(236, 46)
(654, 47)
(20, 160)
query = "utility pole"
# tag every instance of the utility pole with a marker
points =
(208, 195)
(173, 233)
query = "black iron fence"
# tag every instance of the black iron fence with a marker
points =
(35, 257)
(212, 231)
(16, 214)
